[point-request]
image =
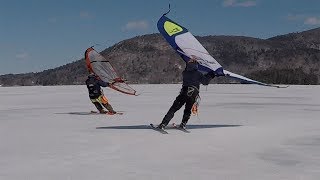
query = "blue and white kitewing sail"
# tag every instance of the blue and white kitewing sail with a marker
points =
(187, 46)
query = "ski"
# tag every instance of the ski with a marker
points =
(158, 129)
(175, 126)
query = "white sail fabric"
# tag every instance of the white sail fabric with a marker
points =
(98, 65)
(192, 48)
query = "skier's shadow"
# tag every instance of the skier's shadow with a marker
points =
(84, 113)
(78, 113)
(191, 126)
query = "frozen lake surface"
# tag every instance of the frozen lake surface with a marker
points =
(245, 132)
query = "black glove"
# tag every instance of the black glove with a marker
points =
(211, 74)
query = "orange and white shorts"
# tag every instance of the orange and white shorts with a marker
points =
(101, 99)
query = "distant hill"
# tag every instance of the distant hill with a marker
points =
(288, 59)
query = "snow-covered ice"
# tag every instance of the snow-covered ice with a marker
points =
(245, 132)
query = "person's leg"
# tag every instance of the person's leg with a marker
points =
(187, 111)
(97, 105)
(104, 101)
(109, 108)
(177, 104)
(190, 100)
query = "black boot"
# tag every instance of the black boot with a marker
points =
(184, 121)
(109, 108)
(182, 125)
(161, 126)
(102, 111)
(99, 107)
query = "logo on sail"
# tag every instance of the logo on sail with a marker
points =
(172, 28)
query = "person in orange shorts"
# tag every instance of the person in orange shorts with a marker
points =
(94, 84)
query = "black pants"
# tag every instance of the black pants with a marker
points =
(187, 96)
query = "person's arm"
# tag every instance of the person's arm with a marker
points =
(205, 80)
(103, 84)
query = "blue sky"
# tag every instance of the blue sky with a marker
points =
(36, 35)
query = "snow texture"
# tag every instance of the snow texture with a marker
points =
(243, 132)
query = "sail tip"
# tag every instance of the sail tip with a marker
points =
(167, 11)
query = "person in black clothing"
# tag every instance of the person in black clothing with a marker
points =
(94, 84)
(192, 78)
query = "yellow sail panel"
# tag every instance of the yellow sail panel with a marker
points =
(172, 28)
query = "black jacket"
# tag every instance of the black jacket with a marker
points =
(94, 86)
(192, 77)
